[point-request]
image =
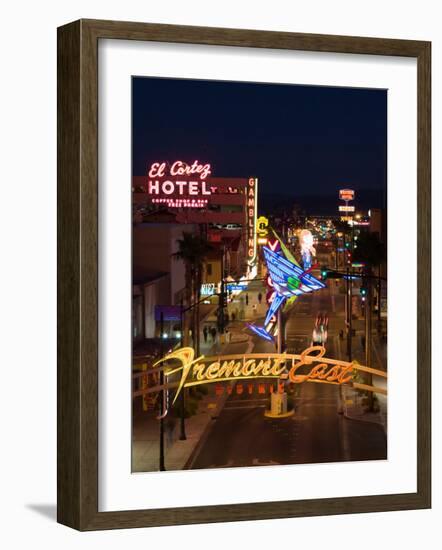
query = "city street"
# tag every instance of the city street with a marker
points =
(233, 267)
(242, 436)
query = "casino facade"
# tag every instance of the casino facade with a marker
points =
(224, 208)
(186, 197)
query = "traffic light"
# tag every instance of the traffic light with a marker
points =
(324, 273)
(363, 291)
(347, 245)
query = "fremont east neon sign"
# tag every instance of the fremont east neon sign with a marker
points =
(309, 366)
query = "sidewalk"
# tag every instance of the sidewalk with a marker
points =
(178, 453)
(354, 408)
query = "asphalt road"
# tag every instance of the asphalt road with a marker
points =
(243, 436)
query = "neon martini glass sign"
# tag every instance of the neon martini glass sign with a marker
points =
(288, 280)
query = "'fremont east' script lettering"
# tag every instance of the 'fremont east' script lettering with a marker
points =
(310, 365)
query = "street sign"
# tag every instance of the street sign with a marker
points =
(207, 289)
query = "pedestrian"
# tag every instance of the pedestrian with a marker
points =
(260, 298)
(247, 299)
(213, 334)
(205, 334)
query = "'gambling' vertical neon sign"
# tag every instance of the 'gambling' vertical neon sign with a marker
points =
(251, 210)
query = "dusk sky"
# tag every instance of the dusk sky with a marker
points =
(298, 140)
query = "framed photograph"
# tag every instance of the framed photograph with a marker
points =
(243, 275)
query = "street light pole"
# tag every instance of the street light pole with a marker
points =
(182, 402)
(368, 331)
(349, 314)
(161, 399)
(222, 298)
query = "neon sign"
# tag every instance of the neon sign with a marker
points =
(207, 289)
(286, 280)
(274, 245)
(180, 168)
(168, 187)
(171, 187)
(280, 270)
(309, 366)
(262, 224)
(307, 248)
(182, 203)
(251, 207)
(346, 195)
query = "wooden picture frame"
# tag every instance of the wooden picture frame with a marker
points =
(78, 274)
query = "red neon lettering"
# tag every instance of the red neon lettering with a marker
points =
(273, 245)
(153, 187)
(180, 185)
(157, 170)
(168, 187)
(180, 168)
(193, 188)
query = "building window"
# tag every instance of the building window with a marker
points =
(209, 269)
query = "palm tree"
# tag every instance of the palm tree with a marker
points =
(192, 250)
(371, 252)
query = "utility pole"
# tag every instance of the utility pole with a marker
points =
(222, 299)
(368, 334)
(348, 309)
(336, 254)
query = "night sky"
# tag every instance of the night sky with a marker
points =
(302, 142)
